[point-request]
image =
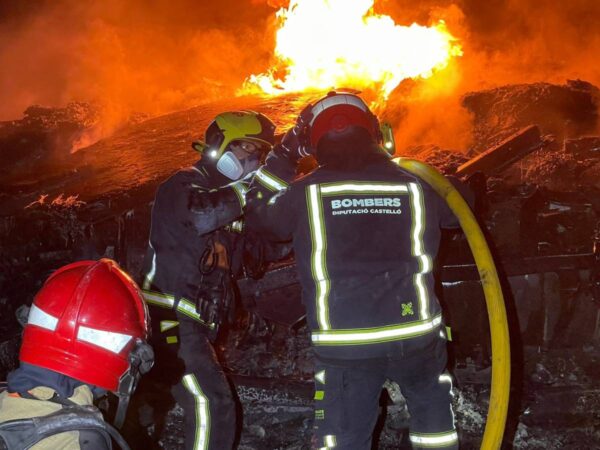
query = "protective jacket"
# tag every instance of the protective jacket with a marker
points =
(365, 242)
(185, 245)
(14, 406)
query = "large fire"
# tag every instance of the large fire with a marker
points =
(323, 44)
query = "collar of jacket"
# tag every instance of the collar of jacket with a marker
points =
(28, 377)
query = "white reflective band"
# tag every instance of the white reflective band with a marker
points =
(270, 181)
(438, 439)
(110, 340)
(166, 325)
(425, 263)
(184, 306)
(241, 190)
(333, 100)
(320, 377)
(362, 336)
(445, 378)
(363, 188)
(237, 225)
(41, 319)
(319, 271)
(330, 441)
(149, 278)
(189, 309)
(202, 412)
(159, 299)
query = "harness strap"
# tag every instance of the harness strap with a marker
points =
(54, 399)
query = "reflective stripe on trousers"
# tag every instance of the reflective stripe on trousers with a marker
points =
(202, 412)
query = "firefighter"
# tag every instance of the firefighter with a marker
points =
(365, 234)
(86, 334)
(195, 249)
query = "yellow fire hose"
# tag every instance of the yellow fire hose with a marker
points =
(496, 419)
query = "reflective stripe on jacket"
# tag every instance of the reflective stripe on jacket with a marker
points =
(365, 242)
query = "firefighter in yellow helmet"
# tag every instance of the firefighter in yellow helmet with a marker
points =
(194, 252)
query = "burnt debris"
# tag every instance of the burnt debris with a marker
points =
(534, 164)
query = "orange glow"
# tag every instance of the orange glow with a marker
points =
(323, 44)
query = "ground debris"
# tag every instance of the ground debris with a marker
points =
(564, 111)
(508, 151)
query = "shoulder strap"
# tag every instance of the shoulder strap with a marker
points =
(54, 399)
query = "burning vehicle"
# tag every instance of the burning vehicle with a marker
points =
(508, 116)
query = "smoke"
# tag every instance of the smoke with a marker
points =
(134, 56)
(504, 42)
(165, 55)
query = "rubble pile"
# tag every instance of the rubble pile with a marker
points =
(534, 167)
(44, 133)
(564, 111)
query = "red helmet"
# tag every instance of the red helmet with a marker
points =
(338, 111)
(85, 323)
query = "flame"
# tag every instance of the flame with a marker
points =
(324, 44)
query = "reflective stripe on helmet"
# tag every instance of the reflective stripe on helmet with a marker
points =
(434, 439)
(41, 318)
(110, 340)
(334, 100)
(338, 111)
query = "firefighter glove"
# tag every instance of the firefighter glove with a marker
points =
(215, 301)
(295, 144)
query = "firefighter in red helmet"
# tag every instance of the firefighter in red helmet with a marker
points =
(365, 234)
(86, 334)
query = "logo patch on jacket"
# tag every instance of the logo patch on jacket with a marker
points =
(369, 205)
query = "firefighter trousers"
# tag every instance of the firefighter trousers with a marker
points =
(347, 399)
(204, 392)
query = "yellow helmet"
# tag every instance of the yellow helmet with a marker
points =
(236, 126)
(229, 127)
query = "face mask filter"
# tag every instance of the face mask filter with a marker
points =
(230, 166)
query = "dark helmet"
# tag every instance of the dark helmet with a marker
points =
(229, 127)
(337, 113)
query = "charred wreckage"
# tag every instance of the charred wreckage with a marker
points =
(534, 165)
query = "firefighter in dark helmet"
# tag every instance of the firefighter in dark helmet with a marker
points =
(195, 249)
(365, 233)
